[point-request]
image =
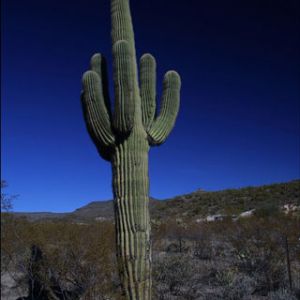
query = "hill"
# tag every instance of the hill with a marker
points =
(191, 206)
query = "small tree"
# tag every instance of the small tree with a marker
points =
(7, 223)
(6, 200)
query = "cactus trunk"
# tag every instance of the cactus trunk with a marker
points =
(124, 136)
(130, 186)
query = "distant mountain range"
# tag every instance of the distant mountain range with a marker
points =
(96, 210)
(189, 206)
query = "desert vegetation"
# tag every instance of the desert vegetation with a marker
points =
(249, 258)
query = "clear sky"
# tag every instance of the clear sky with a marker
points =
(239, 118)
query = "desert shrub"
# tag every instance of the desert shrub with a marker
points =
(233, 285)
(203, 249)
(282, 294)
(80, 258)
(173, 277)
(267, 209)
(260, 252)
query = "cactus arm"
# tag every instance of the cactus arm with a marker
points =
(148, 88)
(95, 113)
(98, 64)
(124, 88)
(165, 121)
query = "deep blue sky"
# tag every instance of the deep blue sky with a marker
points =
(239, 117)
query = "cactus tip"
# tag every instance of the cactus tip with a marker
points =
(173, 78)
(147, 56)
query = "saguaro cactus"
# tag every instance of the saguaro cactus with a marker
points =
(124, 137)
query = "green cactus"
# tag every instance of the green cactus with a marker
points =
(124, 138)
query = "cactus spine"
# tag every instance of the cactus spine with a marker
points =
(124, 138)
